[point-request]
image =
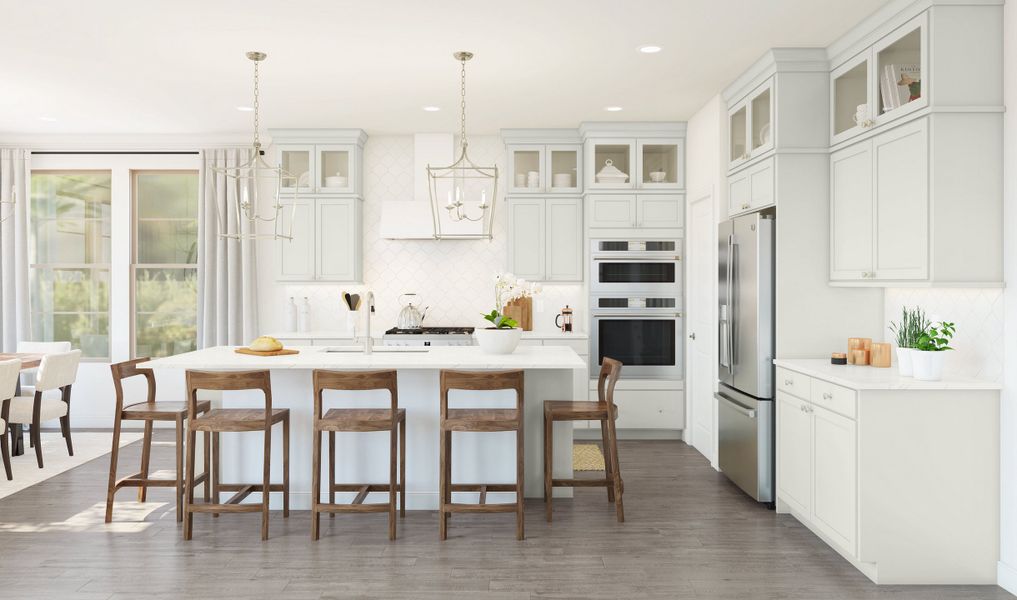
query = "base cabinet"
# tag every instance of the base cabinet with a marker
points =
(835, 483)
(794, 452)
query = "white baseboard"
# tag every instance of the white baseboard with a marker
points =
(1006, 577)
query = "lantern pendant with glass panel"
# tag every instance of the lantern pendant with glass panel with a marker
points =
(463, 192)
(250, 177)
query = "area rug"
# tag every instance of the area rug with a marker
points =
(587, 457)
(88, 445)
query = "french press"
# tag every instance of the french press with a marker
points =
(566, 319)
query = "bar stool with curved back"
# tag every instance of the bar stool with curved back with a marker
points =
(392, 420)
(56, 372)
(605, 411)
(10, 370)
(481, 420)
(221, 420)
(149, 412)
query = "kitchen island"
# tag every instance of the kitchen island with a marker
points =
(363, 457)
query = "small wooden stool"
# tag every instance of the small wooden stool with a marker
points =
(221, 420)
(358, 419)
(149, 412)
(604, 411)
(484, 420)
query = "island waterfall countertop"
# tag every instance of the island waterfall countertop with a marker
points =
(873, 378)
(383, 357)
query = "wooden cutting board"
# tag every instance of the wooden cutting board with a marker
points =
(521, 309)
(283, 352)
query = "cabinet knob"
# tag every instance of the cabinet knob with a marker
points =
(745, 206)
(789, 382)
(827, 396)
(692, 336)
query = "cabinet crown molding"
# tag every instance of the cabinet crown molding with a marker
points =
(640, 129)
(318, 136)
(776, 60)
(541, 136)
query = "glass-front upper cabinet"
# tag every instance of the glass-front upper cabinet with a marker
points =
(750, 125)
(298, 161)
(882, 83)
(541, 169)
(900, 61)
(660, 163)
(526, 169)
(334, 168)
(610, 163)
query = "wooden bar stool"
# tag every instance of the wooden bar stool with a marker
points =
(483, 420)
(149, 412)
(605, 411)
(392, 420)
(221, 420)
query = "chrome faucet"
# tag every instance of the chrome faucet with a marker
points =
(368, 342)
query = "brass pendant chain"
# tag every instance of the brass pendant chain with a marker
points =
(462, 103)
(257, 139)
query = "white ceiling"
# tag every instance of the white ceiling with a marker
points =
(130, 66)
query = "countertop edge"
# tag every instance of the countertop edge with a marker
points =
(821, 368)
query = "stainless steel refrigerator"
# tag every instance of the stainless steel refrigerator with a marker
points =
(746, 332)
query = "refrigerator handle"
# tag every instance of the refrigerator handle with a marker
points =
(730, 324)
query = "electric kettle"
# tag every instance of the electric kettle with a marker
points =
(410, 317)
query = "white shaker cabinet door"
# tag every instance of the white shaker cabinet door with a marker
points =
(338, 239)
(612, 210)
(526, 238)
(835, 505)
(794, 453)
(295, 258)
(739, 197)
(660, 210)
(851, 216)
(564, 240)
(901, 164)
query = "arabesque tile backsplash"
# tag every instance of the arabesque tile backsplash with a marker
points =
(453, 277)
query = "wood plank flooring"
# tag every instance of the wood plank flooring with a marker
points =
(688, 534)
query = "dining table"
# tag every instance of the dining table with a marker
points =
(29, 360)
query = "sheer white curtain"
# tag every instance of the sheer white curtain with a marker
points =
(227, 268)
(14, 182)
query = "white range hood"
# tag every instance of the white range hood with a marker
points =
(413, 219)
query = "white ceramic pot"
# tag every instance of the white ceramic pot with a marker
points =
(904, 364)
(928, 366)
(498, 341)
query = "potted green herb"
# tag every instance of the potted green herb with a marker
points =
(930, 352)
(907, 332)
(504, 335)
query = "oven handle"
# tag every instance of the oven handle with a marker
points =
(629, 315)
(639, 258)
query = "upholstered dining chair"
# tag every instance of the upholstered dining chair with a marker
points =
(28, 376)
(56, 372)
(9, 372)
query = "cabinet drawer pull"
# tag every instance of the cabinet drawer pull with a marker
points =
(827, 396)
(745, 206)
(789, 382)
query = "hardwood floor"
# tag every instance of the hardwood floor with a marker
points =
(688, 534)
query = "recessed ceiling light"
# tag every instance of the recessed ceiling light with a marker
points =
(47, 119)
(432, 108)
(650, 49)
(245, 108)
(612, 108)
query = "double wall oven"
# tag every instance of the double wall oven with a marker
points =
(636, 306)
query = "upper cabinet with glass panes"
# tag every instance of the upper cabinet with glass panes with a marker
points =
(750, 125)
(543, 161)
(320, 161)
(642, 156)
(885, 81)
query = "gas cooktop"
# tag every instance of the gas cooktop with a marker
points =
(431, 331)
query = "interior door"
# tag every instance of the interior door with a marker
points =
(702, 334)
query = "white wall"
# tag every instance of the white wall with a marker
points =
(1008, 411)
(453, 277)
(705, 177)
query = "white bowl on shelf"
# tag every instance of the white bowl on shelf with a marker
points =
(658, 176)
(335, 181)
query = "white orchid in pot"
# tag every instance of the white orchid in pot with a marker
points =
(504, 335)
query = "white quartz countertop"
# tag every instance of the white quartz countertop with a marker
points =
(225, 358)
(323, 334)
(872, 378)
